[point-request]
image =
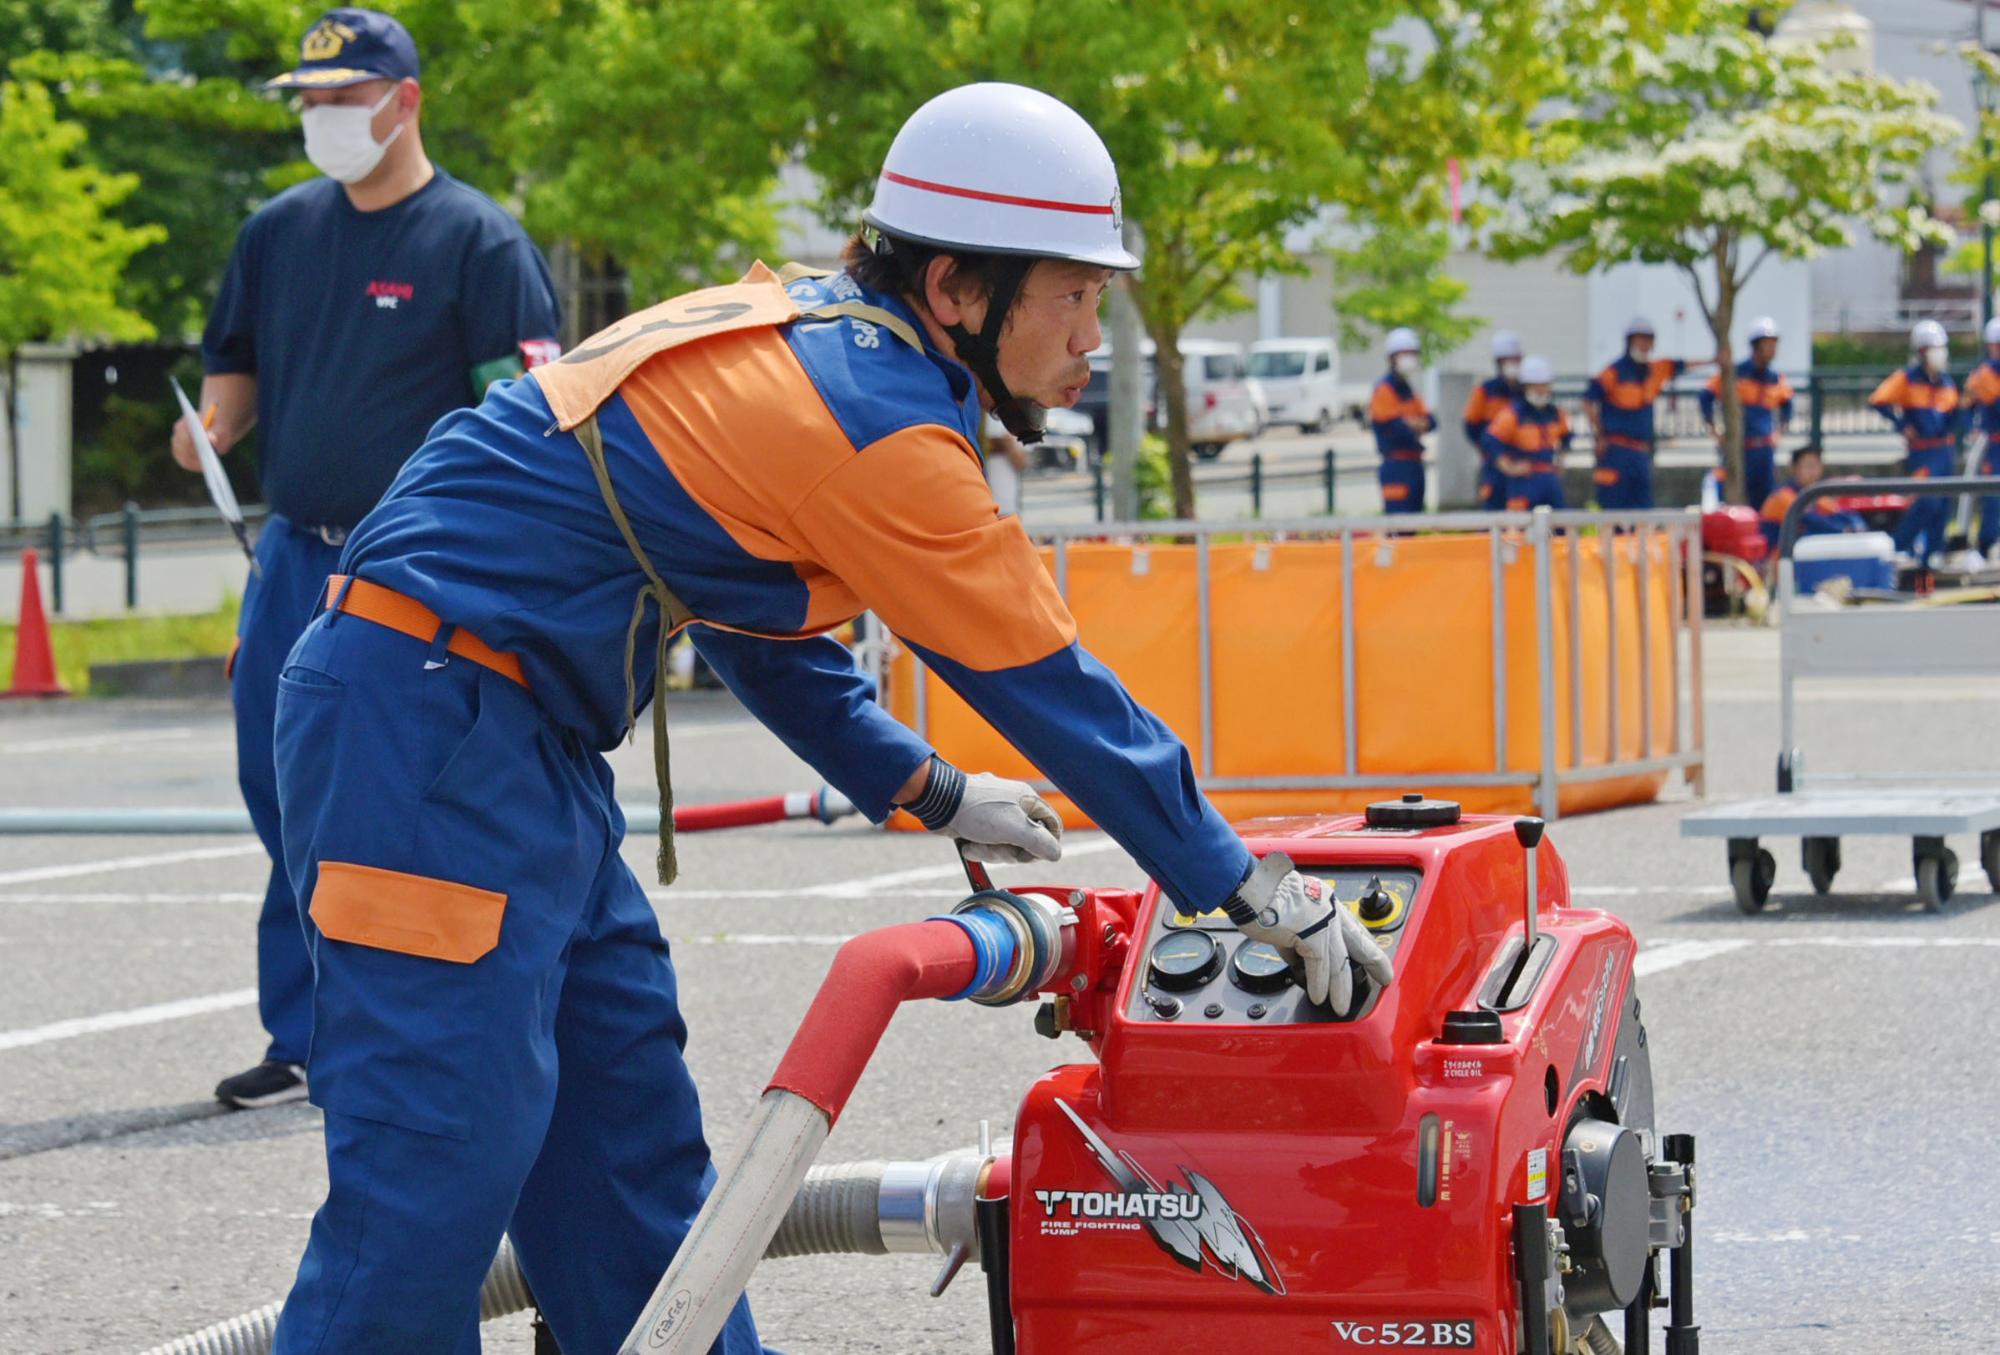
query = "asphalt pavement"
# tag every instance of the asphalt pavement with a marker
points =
(1833, 1055)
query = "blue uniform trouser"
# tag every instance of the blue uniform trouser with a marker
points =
(1624, 478)
(1402, 484)
(277, 604)
(1543, 489)
(1921, 530)
(497, 1041)
(1989, 504)
(1492, 485)
(1760, 475)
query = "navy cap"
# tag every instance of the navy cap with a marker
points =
(348, 46)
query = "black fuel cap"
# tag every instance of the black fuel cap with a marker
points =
(1471, 1028)
(1413, 811)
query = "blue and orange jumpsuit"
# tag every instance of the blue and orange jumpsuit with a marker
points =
(1400, 419)
(1767, 411)
(1820, 521)
(1624, 394)
(1524, 441)
(1488, 398)
(1923, 407)
(1982, 397)
(498, 1044)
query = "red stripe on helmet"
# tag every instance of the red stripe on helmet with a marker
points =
(1008, 199)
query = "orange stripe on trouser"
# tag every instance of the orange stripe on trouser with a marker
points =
(387, 607)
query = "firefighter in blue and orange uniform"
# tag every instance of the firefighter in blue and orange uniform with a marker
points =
(1982, 401)
(1526, 438)
(1808, 467)
(1619, 401)
(1488, 398)
(1921, 401)
(1400, 419)
(498, 1046)
(1767, 410)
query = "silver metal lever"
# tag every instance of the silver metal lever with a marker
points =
(1528, 832)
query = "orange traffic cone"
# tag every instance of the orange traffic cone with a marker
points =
(34, 658)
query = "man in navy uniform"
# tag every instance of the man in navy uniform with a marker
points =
(358, 309)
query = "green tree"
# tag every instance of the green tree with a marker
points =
(1713, 149)
(649, 131)
(1235, 123)
(1394, 278)
(61, 254)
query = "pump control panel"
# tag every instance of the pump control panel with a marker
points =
(1200, 968)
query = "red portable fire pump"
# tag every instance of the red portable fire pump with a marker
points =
(1465, 1160)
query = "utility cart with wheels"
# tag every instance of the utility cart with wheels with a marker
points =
(1901, 639)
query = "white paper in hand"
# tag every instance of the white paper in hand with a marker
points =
(213, 475)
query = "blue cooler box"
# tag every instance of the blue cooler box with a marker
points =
(1867, 559)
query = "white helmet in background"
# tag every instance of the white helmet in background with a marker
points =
(1639, 327)
(1401, 340)
(1506, 344)
(1536, 371)
(1928, 334)
(1993, 330)
(1763, 327)
(1002, 169)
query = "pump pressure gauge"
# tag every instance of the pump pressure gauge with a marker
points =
(1183, 961)
(1259, 967)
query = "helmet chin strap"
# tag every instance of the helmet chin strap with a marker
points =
(981, 353)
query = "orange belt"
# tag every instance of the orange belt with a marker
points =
(387, 607)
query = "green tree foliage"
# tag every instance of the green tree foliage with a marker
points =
(651, 131)
(1397, 277)
(61, 253)
(1713, 149)
(1235, 123)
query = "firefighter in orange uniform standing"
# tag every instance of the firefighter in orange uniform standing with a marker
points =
(1488, 398)
(1921, 401)
(1982, 413)
(1767, 410)
(1524, 438)
(1400, 419)
(1620, 402)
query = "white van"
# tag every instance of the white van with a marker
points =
(1301, 381)
(1223, 402)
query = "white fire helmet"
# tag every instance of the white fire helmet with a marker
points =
(1639, 326)
(1536, 371)
(1927, 334)
(1993, 330)
(1002, 169)
(1763, 327)
(1506, 344)
(1401, 340)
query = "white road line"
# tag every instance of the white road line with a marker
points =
(244, 897)
(1631, 891)
(764, 939)
(71, 871)
(675, 895)
(81, 742)
(132, 1016)
(872, 884)
(1673, 954)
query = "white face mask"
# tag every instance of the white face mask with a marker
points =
(1539, 399)
(1934, 358)
(1406, 364)
(341, 143)
(1510, 369)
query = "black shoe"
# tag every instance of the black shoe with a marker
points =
(268, 1084)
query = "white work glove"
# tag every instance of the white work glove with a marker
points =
(1297, 913)
(998, 820)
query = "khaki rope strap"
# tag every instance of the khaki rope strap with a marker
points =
(673, 615)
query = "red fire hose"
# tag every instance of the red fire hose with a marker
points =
(825, 804)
